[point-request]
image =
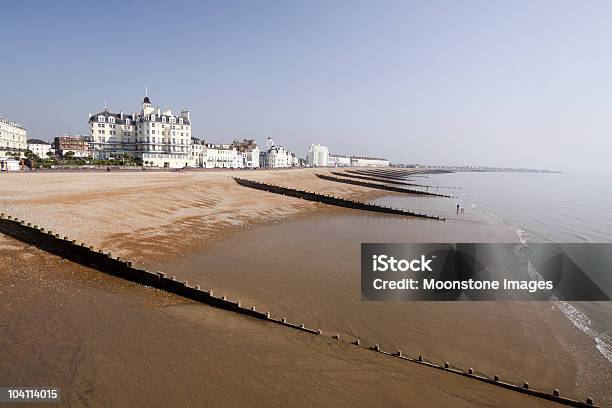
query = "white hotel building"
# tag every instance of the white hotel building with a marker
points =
(277, 156)
(318, 156)
(160, 139)
(337, 160)
(13, 137)
(40, 147)
(358, 161)
(237, 155)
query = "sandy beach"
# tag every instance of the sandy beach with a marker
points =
(91, 333)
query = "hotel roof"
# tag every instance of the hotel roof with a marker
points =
(37, 141)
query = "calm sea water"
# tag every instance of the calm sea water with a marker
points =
(539, 207)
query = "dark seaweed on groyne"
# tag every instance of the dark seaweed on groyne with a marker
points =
(327, 199)
(105, 262)
(380, 186)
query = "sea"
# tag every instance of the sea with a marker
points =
(541, 207)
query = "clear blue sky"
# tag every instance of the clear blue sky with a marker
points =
(458, 82)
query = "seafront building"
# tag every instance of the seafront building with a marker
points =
(337, 160)
(40, 148)
(248, 153)
(78, 145)
(277, 156)
(197, 145)
(237, 155)
(220, 156)
(358, 161)
(13, 138)
(159, 138)
(318, 156)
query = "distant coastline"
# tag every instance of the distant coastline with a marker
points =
(477, 168)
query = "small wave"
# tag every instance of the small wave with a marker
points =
(521, 234)
(603, 343)
(474, 206)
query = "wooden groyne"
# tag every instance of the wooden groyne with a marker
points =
(379, 174)
(331, 200)
(381, 187)
(397, 175)
(106, 263)
(403, 183)
(380, 180)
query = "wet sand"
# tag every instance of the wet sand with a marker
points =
(211, 231)
(309, 272)
(108, 342)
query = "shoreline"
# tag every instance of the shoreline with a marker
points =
(214, 222)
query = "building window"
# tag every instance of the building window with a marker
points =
(153, 118)
(101, 118)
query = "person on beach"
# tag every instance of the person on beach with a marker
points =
(462, 210)
(457, 209)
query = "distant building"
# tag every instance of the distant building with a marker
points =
(12, 138)
(248, 153)
(161, 139)
(277, 156)
(357, 161)
(197, 147)
(336, 160)
(40, 147)
(318, 155)
(223, 156)
(79, 145)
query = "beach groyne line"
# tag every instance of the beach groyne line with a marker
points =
(397, 182)
(403, 183)
(104, 262)
(381, 175)
(331, 200)
(402, 175)
(381, 187)
(405, 177)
